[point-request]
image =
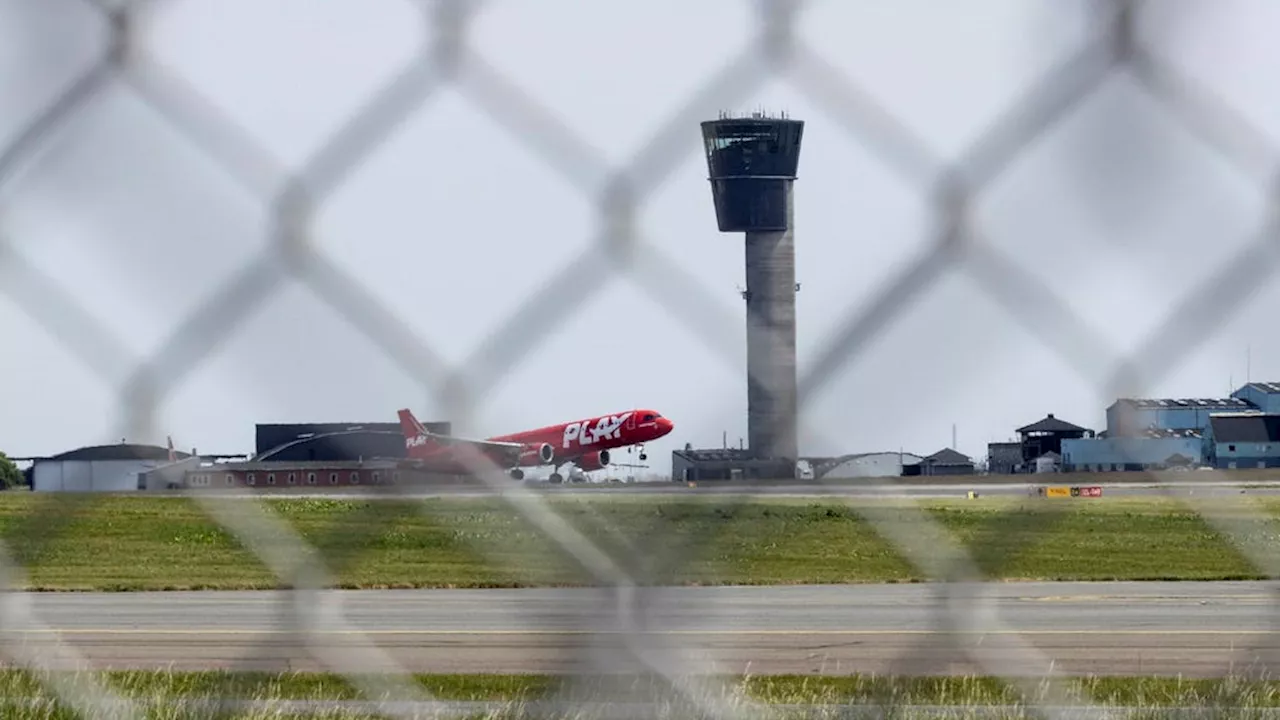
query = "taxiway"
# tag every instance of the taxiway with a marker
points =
(953, 489)
(1196, 629)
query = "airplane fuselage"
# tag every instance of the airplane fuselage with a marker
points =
(573, 440)
(585, 443)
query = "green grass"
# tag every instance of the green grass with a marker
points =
(169, 693)
(137, 543)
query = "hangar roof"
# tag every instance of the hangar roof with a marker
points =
(907, 457)
(1051, 424)
(1173, 403)
(1245, 428)
(120, 451)
(947, 456)
(1267, 388)
(342, 445)
(715, 454)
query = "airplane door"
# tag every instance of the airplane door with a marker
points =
(631, 421)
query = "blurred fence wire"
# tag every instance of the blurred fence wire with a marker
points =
(447, 60)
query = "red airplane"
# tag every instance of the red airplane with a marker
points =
(585, 443)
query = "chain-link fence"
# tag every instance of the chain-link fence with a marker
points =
(617, 617)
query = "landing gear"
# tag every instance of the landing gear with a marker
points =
(517, 474)
(556, 478)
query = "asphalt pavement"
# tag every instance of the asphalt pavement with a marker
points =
(1196, 629)
(881, 490)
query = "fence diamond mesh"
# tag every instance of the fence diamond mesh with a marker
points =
(630, 596)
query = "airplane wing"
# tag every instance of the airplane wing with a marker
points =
(455, 449)
(501, 449)
(503, 454)
(455, 440)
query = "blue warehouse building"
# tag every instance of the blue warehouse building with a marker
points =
(1152, 448)
(1129, 417)
(1264, 396)
(1154, 433)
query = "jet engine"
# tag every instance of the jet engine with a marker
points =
(593, 461)
(543, 454)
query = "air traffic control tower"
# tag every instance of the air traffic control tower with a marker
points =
(752, 163)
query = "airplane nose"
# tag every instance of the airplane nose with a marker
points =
(666, 425)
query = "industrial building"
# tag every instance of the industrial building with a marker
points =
(1264, 396)
(1157, 433)
(752, 162)
(1038, 449)
(1004, 458)
(1148, 449)
(692, 465)
(1129, 417)
(1244, 441)
(1046, 435)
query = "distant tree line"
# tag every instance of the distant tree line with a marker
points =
(10, 476)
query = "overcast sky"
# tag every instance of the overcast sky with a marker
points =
(468, 209)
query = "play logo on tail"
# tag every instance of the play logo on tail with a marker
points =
(415, 435)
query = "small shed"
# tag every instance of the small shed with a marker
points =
(943, 462)
(1049, 462)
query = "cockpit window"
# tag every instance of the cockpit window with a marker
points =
(649, 417)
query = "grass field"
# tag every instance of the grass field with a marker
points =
(173, 691)
(134, 543)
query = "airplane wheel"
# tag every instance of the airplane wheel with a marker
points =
(556, 478)
(517, 474)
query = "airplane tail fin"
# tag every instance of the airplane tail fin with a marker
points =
(414, 434)
(173, 456)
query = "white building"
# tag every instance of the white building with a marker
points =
(104, 468)
(871, 465)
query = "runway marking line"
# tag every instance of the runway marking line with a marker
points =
(738, 633)
(1144, 598)
(440, 595)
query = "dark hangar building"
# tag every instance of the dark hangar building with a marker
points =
(333, 442)
(310, 455)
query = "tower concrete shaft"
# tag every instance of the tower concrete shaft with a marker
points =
(771, 342)
(752, 163)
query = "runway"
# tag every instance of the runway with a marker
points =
(953, 489)
(804, 491)
(1196, 629)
